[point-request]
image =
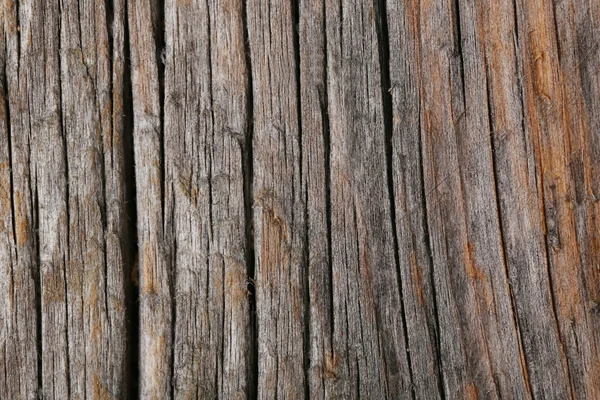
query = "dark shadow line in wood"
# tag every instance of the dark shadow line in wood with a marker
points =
(324, 103)
(383, 45)
(306, 334)
(132, 291)
(248, 177)
(66, 254)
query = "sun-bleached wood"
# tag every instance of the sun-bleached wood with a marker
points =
(299, 199)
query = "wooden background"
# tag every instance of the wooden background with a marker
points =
(299, 199)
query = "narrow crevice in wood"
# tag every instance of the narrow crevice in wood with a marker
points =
(12, 190)
(65, 149)
(10, 156)
(132, 292)
(518, 67)
(209, 64)
(248, 177)
(37, 278)
(159, 37)
(556, 38)
(324, 103)
(386, 96)
(306, 334)
(458, 52)
(428, 249)
(108, 15)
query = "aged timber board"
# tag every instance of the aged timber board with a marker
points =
(299, 199)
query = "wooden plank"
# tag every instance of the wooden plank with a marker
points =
(49, 180)
(278, 203)
(19, 320)
(578, 38)
(154, 258)
(556, 123)
(65, 156)
(369, 345)
(321, 370)
(477, 328)
(519, 200)
(205, 131)
(94, 283)
(417, 275)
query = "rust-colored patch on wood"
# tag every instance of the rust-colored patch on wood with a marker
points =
(331, 366)
(11, 291)
(236, 281)
(53, 290)
(471, 392)
(21, 221)
(478, 277)
(417, 273)
(148, 277)
(159, 350)
(275, 248)
(106, 116)
(474, 271)
(4, 190)
(189, 188)
(99, 389)
(92, 297)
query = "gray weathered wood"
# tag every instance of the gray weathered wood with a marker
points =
(322, 367)
(299, 199)
(478, 337)
(414, 249)
(18, 255)
(154, 254)
(205, 130)
(368, 340)
(279, 216)
(66, 236)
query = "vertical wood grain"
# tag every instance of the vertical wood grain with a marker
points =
(368, 328)
(67, 233)
(19, 279)
(205, 138)
(279, 216)
(333, 199)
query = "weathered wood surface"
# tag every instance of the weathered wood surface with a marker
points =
(299, 199)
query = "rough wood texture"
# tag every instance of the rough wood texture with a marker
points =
(279, 215)
(299, 199)
(206, 86)
(63, 319)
